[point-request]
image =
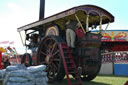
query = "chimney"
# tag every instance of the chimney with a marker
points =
(42, 9)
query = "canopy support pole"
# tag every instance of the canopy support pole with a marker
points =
(25, 41)
(107, 25)
(21, 39)
(87, 23)
(100, 24)
(80, 23)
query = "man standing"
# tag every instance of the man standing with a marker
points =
(6, 61)
(71, 25)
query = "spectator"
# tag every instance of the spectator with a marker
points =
(34, 42)
(6, 61)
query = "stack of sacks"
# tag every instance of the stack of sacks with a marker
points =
(14, 68)
(39, 74)
(10, 69)
(19, 77)
(2, 74)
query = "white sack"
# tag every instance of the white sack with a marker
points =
(12, 68)
(2, 73)
(22, 73)
(21, 66)
(33, 69)
(17, 79)
(40, 74)
(25, 83)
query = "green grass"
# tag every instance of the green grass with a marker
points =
(100, 80)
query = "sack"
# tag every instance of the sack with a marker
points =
(34, 69)
(40, 74)
(44, 83)
(33, 75)
(6, 80)
(17, 67)
(2, 73)
(22, 73)
(11, 68)
(21, 66)
(17, 83)
(46, 78)
(17, 79)
(40, 79)
(19, 76)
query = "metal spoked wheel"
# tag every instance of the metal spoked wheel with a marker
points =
(49, 54)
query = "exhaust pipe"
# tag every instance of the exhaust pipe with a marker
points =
(42, 9)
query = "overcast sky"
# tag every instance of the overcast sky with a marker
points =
(16, 13)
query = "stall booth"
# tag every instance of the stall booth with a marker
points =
(2, 50)
(115, 52)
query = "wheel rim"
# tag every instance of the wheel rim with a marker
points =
(49, 55)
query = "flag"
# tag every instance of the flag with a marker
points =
(12, 42)
(4, 42)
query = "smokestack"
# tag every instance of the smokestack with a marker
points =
(42, 9)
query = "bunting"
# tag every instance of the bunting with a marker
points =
(12, 42)
(7, 42)
(4, 42)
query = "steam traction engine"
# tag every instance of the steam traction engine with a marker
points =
(47, 41)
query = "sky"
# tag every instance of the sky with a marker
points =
(17, 13)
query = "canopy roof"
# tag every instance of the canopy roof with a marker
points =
(95, 13)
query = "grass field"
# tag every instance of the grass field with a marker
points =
(100, 80)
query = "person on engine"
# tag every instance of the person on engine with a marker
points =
(71, 25)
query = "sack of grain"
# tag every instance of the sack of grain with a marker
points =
(11, 68)
(46, 79)
(17, 83)
(40, 74)
(41, 80)
(34, 69)
(22, 73)
(2, 73)
(21, 66)
(19, 77)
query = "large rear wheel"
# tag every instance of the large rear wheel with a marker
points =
(49, 54)
(93, 70)
(89, 77)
